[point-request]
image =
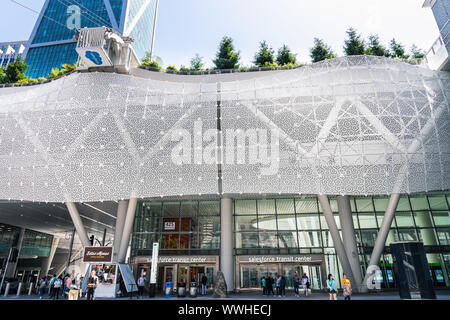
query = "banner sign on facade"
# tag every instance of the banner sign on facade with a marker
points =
(154, 267)
(97, 254)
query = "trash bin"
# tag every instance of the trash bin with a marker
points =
(168, 289)
(193, 289)
(181, 289)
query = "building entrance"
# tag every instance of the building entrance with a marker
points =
(251, 270)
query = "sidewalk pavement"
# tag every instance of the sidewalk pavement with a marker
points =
(392, 295)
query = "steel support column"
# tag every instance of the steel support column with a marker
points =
(127, 228)
(334, 231)
(76, 219)
(349, 238)
(47, 263)
(10, 272)
(226, 242)
(381, 239)
(120, 220)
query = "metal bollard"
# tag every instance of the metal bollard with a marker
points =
(7, 289)
(31, 288)
(19, 288)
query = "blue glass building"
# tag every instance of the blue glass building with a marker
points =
(51, 42)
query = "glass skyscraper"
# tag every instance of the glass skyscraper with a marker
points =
(51, 43)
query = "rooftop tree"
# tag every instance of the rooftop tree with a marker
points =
(416, 53)
(375, 48)
(354, 45)
(197, 62)
(321, 51)
(264, 56)
(15, 71)
(285, 56)
(398, 50)
(226, 57)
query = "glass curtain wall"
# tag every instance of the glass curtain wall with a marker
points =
(297, 226)
(187, 227)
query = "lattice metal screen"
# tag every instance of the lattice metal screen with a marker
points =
(356, 125)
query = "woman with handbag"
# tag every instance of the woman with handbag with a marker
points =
(331, 286)
(347, 287)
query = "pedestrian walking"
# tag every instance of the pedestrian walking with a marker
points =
(278, 282)
(42, 286)
(283, 286)
(204, 282)
(73, 290)
(51, 287)
(296, 282)
(57, 285)
(67, 283)
(92, 283)
(263, 285)
(305, 284)
(347, 286)
(331, 286)
(269, 285)
(141, 286)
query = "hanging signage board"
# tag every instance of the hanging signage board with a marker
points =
(154, 267)
(97, 254)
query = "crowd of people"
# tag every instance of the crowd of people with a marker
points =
(279, 283)
(67, 287)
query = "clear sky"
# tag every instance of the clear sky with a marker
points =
(186, 27)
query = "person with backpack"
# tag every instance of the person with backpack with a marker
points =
(51, 291)
(331, 286)
(141, 286)
(204, 283)
(305, 284)
(296, 282)
(347, 286)
(92, 283)
(57, 284)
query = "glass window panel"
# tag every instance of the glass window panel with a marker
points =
(437, 202)
(381, 203)
(423, 219)
(170, 241)
(441, 218)
(367, 220)
(327, 240)
(355, 221)
(286, 222)
(392, 237)
(419, 202)
(324, 223)
(352, 205)
(308, 205)
(266, 206)
(268, 239)
(308, 222)
(364, 204)
(403, 204)
(267, 222)
(209, 224)
(171, 209)
(245, 223)
(288, 239)
(404, 219)
(245, 206)
(368, 237)
(309, 239)
(407, 235)
(209, 240)
(246, 240)
(189, 208)
(443, 236)
(428, 237)
(285, 206)
(209, 208)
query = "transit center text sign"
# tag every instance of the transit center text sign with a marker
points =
(97, 254)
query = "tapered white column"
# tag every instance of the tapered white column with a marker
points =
(381, 239)
(120, 221)
(79, 227)
(127, 228)
(12, 266)
(226, 242)
(337, 241)
(47, 262)
(349, 238)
